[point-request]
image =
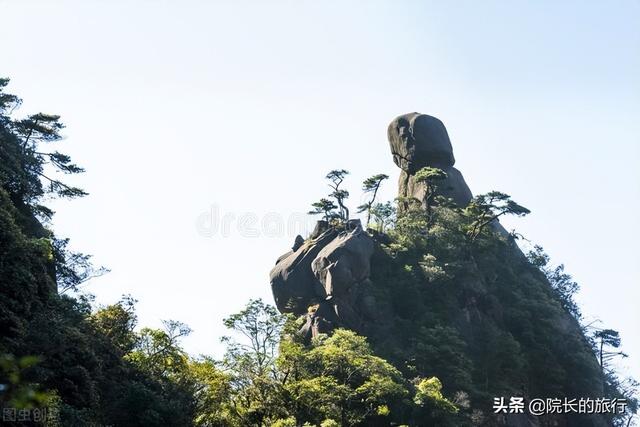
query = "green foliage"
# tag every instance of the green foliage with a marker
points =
(627, 389)
(371, 186)
(432, 407)
(212, 388)
(332, 423)
(22, 170)
(340, 196)
(562, 283)
(606, 342)
(429, 391)
(431, 269)
(15, 391)
(116, 323)
(157, 352)
(471, 311)
(84, 372)
(324, 207)
(383, 214)
(462, 314)
(285, 422)
(339, 378)
(411, 228)
(606, 345)
(486, 208)
(336, 177)
(25, 272)
(441, 349)
(259, 326)
(430, 177)
(72, 268)
(255, 385)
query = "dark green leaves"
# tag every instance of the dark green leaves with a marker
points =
(26, 171)
(429, 174)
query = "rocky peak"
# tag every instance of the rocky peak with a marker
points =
(417, 141)
(490, 327)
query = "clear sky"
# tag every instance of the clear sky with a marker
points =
(183, 112)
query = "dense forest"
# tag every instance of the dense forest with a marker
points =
(66, 361)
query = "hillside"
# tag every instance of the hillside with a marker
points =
(445, 290)
(422, 318)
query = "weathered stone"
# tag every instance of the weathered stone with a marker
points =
(297, 243)
(321, 227)
(293, 283)
(347, 314)
(327, 278)
(325, 271)
(352, 224)
(344, 261)
(418, 141)
(320, 321)
(453, 187)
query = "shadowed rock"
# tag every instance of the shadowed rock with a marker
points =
(344, 262)
(417, 141)
(328, 280)
(293, 283)
(324, 277)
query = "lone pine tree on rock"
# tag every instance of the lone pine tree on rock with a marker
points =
(371, 186)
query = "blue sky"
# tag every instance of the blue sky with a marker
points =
(183, 109)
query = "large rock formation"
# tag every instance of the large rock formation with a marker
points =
(325, 277)
(491, 325)
(418, 140)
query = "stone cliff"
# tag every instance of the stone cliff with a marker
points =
(487, 324)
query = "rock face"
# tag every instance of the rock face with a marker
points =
(496, 300)
(292, 281)
(343, 262)
(325, 277)
(416, 141)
